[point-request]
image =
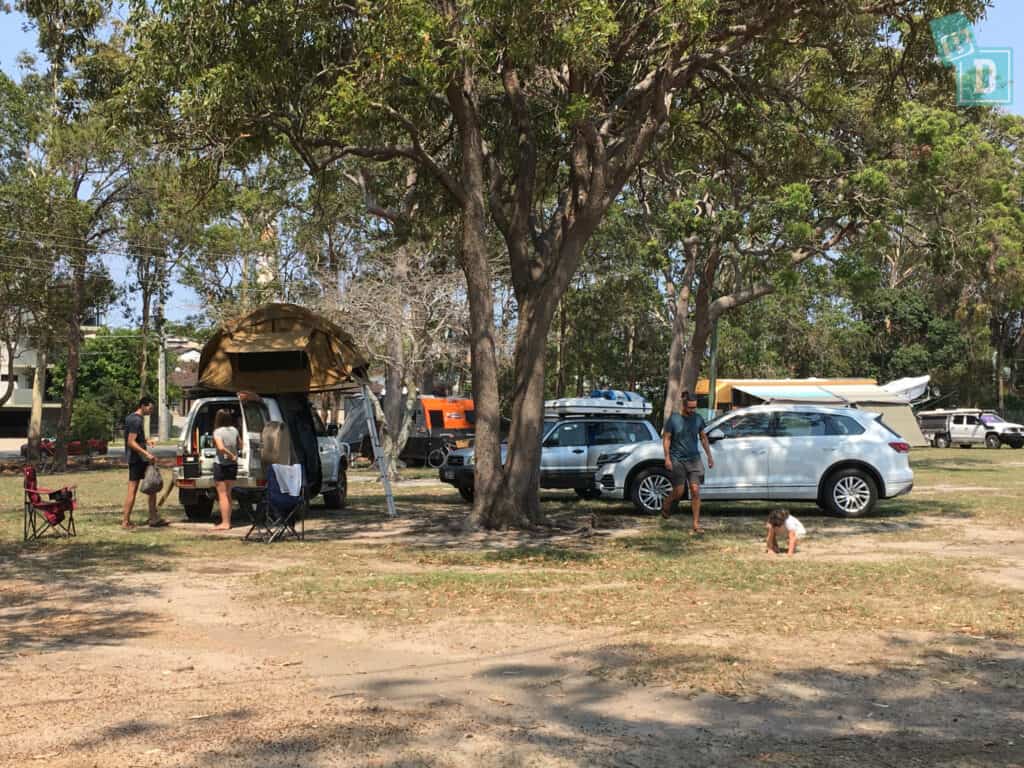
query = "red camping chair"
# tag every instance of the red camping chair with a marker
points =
(57, 514)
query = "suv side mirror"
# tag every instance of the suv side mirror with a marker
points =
(715, 435)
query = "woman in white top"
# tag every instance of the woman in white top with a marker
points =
(780, 520)
(225, 466)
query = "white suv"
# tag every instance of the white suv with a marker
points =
(326, 462)
(843, 458)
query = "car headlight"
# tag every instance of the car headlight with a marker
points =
(470, 460)
(611, 458)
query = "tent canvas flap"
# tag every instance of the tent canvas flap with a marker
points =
(901, 420)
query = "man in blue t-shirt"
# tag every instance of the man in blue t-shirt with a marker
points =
(682, 457)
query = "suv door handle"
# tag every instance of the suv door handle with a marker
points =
(577, 450)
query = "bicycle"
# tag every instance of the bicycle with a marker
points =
(437, 457)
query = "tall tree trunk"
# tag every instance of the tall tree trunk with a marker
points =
(35, 419)
(10, 349)
(475, 262)
(999, 334)
(74, 349)
(679, 315)
(408, 412)
(694, 357)
(144, 334)
(631, 353)
(519, 501)
(144, 273)
(395, 371)
(560, 357)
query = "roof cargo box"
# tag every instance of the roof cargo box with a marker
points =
(602, 402)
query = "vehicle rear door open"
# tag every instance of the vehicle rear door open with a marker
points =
(254, 417)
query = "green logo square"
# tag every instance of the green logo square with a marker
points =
(985, 78)
(954, 37)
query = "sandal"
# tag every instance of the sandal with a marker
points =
(696, 531)
(128, 526)
(159, 524)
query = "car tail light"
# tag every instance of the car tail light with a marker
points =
(900, 447)
(186, 483)
(179, 460)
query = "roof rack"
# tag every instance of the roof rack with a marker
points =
(602, 402)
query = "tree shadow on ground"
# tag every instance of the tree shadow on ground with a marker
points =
(955, 707)
(436, 520)
(59, 594)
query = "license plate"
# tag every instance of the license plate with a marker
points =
(449, 474)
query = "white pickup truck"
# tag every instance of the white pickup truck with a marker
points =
(325, 459)
(969, 426)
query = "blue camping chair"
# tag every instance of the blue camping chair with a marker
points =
(281, 513)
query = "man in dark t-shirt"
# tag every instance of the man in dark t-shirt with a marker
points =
(139, 458)
(682, 457)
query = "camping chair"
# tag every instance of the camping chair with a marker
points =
(281, 513)
(56, 515)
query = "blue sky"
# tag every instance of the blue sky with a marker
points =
(1003, 27)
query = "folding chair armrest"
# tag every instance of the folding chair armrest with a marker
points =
(43, 490)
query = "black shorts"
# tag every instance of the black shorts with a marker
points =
(136, 470)
(222, 472)
(686, 472)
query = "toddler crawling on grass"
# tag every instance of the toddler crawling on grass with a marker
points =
(780, 523)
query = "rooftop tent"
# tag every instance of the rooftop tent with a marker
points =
(279, 348)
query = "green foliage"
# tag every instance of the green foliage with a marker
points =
(91, 419)
(108, 375)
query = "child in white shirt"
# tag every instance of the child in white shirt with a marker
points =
(779, 521)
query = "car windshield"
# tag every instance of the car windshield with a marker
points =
(990, 418)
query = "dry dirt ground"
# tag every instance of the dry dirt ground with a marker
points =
(139, 655)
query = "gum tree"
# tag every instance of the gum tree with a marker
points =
(530, 118)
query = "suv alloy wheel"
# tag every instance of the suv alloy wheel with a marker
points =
(850, 493)
(650, 488)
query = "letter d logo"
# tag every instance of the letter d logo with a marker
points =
(985, 77)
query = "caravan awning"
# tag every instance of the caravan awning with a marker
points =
(859, 393)
(831, 394)
(789, 394)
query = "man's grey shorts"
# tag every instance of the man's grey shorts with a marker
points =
(686, 472)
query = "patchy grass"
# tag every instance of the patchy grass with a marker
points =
(637, 580)
(634, 575)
